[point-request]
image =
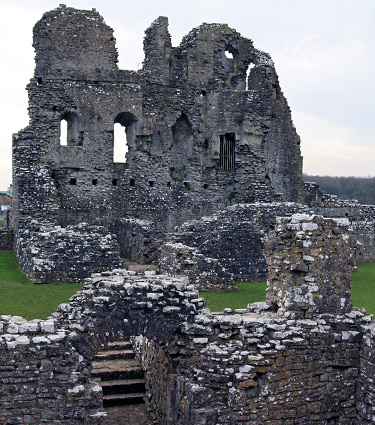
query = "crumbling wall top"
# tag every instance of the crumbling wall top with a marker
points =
(311, 261)
(74, 44)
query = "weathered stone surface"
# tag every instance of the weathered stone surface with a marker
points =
(6, 239)
(179, 112)
(311, 263)
(66, 254)
(255, 366)
(217, 251)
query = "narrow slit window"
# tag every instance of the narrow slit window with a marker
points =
(249, 68)
(120, 143)
(63, 132)
(227, 152)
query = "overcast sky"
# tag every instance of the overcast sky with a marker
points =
(323, 51)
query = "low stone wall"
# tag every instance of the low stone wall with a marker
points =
(366, 383)
(218, 251)
(66, 254)
(289, 360)
(311, 262)
(45, 374)
(247, 367)
(6, 240)
(364, 227)
(361, 217)
(138, 239)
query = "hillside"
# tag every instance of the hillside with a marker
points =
(360, 188)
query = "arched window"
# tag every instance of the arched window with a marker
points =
(69, 133)
(120, 143)
(63, 133)
(123, 135)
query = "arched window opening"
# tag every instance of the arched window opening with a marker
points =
(120, 143)
(69, 133)
(123, 135)
(182, 146)
(63, 133)
(249, 68)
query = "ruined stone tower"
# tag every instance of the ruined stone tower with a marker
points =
(206, 126)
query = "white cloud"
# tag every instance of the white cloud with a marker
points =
(334, 149)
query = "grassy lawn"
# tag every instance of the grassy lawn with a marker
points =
(363, 292)
(247, 293)
(19, 297)
(363, 287)
(1, 223)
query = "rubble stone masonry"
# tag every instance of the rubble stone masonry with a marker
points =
(297, 362)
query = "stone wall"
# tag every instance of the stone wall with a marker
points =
(366, 384)
(139, 240)
(187, 114)
(55, 254)
(307, 274)
(6, 239)
(274, 362)
(364, 227)
(217, 251)
(46, 365)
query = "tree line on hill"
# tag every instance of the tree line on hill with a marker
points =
(360, 188)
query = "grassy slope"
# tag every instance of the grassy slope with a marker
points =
(21, 298)
(363, 292)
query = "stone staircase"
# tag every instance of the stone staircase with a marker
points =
(120, 375)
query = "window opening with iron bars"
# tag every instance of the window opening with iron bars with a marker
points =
(227, 151)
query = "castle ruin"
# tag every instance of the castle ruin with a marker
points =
(213, 161)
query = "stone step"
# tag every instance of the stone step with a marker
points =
(130, 398)
(114, 354)
(118, 345)
(134, 414)
(121, 386)
(117, 369)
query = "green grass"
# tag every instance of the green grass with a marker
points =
(19, 297)
(363, 287)
(247, 293)
(1, 223)
(363, 292)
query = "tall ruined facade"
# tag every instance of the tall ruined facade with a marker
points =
(206, 126)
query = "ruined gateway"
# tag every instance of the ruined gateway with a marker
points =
(213, 159)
